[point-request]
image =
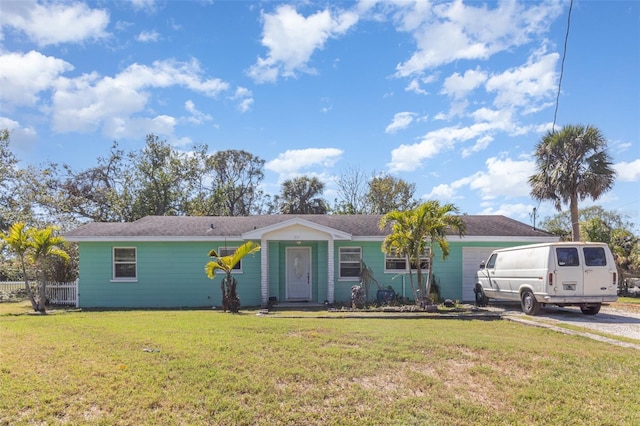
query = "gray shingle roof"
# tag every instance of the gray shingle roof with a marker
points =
(225, 226)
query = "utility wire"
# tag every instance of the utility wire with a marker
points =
(564, 54)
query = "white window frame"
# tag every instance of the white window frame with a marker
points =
(341, 262)
(423, 258)
(114, 278)
(227, 251)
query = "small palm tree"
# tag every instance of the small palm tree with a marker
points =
(17, 239)
(572, 164)
(45, 245)
(230, 299)
(38, 245)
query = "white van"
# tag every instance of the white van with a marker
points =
(566, 273)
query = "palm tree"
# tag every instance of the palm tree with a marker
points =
(18, 239)
(46, 244)
(572, 164)
(302, 195)
(414, 232)
(40, 245)
(230, 299)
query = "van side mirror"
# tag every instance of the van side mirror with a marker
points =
(482, 265)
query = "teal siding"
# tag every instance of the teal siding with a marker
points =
(448, 272)
(374, 258)
(168, 275)
(171, 274)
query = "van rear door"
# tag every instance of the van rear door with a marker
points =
(597, 271)
(568, 276)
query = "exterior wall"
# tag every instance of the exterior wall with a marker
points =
(373, 256)
(448, 272)
(171, 274)
(168, 275)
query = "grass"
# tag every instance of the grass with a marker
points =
(207, 367)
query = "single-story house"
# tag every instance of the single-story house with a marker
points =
(158, 261)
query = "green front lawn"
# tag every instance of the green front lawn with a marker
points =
(207, 367)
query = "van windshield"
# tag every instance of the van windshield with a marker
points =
(567, 256)
(594, 256)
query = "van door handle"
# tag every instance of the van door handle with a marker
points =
(307, 278)
(586, 271)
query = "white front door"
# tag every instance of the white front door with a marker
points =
(298, 273)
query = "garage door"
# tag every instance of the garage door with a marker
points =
(471, 259)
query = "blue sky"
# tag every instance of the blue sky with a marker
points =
(451, 96)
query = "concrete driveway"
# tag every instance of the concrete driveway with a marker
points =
(611, 321)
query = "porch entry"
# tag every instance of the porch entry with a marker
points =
(298, 274)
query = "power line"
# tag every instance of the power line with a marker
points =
(564, 55)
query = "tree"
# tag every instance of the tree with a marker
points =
(600, 225)
(387, 194)
(8, 175)
(18, 239)
(45, 245)
(417, 231)
(96, 193)
(302, 195)
(236, 178)
(39, 246)
(230, 299)
(352, 192)
(572, 165)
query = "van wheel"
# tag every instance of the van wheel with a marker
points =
(591, 309)
(481, 298)
(530, 305)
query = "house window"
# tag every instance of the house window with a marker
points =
(350, 258)
(393, 263)
(124, 264)
(228, 251)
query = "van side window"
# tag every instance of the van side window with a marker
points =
(594, 256)
(567, 256)
(492, 261)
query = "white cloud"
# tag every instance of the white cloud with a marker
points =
(409, 157)
(451, 31)
(244, 97)
(518, 211)
(197, 117)
(532, 82)
(481, 144)
(628, 172)
(20, 136)
(90, 102)
(292, 161)
(503, 177)
(148, 5)
(458, 86)
(54, 23)
(25, 76)
(401, 121)
(291, 39)
(148, 36)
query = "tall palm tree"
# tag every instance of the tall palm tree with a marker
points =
(571, 165)
(18, 239)
(414, 232)
(230, 299)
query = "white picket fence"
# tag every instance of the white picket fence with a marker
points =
(57, 293)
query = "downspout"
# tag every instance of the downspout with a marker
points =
(264, 272)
